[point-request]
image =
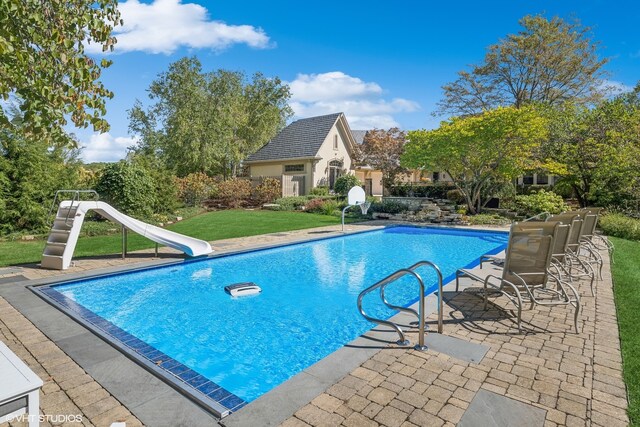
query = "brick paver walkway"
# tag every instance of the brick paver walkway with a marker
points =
(576, 379)
(67, 390)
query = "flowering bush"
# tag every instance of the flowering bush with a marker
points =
(269, 190)
(321, 206)
(195, 188)
(234, 192)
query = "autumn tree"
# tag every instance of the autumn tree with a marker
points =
(381, 149)
(548, 61)
(208, 121)
(44, 67)
(479, 152)
(597, 150)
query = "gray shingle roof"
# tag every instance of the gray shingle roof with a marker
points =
(301, 138)
(358, 135)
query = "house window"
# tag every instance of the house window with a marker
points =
(542, 179)
(335, 142)
(527, 180)
(294, 168)
(335, 171)
(436, 176)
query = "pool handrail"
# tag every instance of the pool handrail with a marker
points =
(420, 314)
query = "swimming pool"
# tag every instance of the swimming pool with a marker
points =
(233, 350)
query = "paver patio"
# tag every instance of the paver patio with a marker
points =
(575, 379)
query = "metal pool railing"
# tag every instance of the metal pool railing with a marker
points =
(382, 284)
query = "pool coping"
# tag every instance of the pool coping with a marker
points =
(313, 380)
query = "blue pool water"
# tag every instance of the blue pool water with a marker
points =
(307, 308)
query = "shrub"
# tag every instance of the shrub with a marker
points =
(167, 200)
(291, 203)
(619, 225)
(456, 196)
(314, 206)
(387, 206)
(330, 207)
(321, 190)
(321, 206)
(129, 187)
(234, 192)
(434, 191)
(195, 188)
(269, 190)
(345, 183)
(536, 203)
(488, 219)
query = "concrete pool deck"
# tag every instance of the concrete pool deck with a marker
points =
(547, 374)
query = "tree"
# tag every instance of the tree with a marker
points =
(129, 187)
(208, 121)
(549, 62)
(597, 150)
(45, 68)
(30, 172)
(345, 183)
(381, 149)
(479, 152)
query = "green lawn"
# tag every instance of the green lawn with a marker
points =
(626, 276)
(209, 226)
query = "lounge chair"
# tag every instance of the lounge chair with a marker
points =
(597, 241)
(526, 275)
(560, 242)
(581, 255)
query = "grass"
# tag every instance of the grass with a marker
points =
(210, 226)
(626, 276)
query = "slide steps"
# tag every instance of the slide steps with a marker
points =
(65, 230)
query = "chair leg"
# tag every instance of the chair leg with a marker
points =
(577, 306)
(485, 296)
(593, 279)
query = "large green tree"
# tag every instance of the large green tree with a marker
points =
(479, 152)
(44, 67)
(548, 61)
(30, 172)
(208, 121)
(597, 150)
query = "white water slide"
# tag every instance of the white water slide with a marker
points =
(70, 216)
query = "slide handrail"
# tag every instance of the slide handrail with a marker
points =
(76, 198)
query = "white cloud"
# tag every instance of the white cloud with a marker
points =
(163, 26)
(613, 87)
(362, 102)
(103, 147)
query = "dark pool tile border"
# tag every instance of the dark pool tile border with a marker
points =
(190, 381)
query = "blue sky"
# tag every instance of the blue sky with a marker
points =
(382, 63)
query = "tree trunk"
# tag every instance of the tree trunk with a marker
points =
(579, 195)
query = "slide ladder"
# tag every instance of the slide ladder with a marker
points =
(65, 231)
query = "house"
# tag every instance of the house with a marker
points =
(308, 153)
(314, 152)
